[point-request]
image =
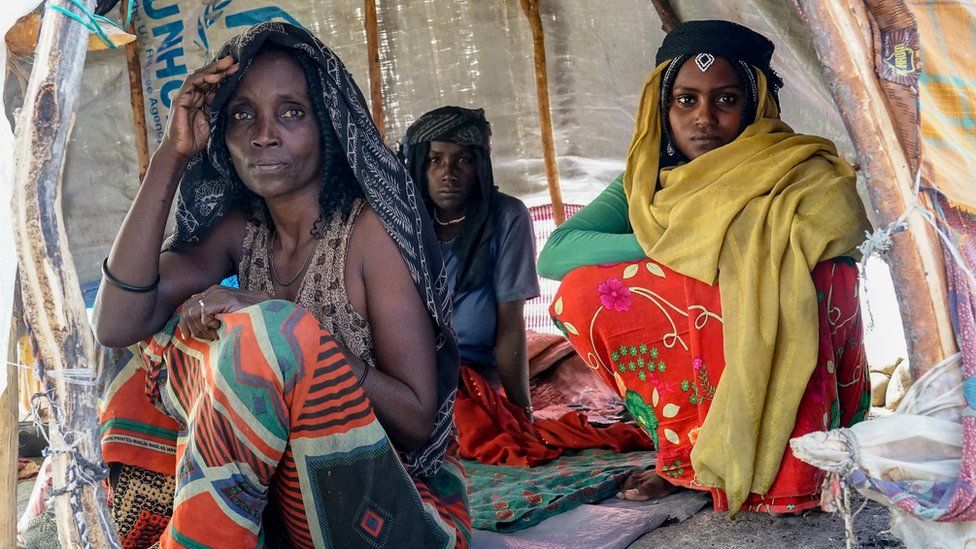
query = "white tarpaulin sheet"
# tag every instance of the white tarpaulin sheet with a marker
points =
(13, 11)
(432, 53)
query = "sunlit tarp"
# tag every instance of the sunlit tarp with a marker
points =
(432, 52)
(947, 97)
(8, 269)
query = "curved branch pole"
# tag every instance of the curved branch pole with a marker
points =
(531, 9)
(669, 20)
(136, 96)
(52, 297)
(915, 258)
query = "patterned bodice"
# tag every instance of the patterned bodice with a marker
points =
(323, 289)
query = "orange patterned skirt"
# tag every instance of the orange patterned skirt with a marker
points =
(656, 337)
(272, 442)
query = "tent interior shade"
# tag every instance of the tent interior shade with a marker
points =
(432, 52)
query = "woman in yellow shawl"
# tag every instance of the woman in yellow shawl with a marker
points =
(712, 283)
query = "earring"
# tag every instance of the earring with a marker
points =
(670, 148)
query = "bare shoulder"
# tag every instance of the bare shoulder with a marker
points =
(224, 240)
(370, 237)
(229, 233)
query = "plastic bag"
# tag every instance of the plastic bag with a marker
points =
(909, 461)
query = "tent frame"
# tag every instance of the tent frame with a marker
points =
(55, 310)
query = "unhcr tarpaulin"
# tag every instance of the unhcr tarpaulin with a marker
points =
(432, 52)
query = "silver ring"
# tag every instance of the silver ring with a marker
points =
(200, 301)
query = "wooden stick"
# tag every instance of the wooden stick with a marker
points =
(375, 77)
(669, 20)
(9, 426)
(49, 284)
(136, 98)
(915, 259)
(531, 9)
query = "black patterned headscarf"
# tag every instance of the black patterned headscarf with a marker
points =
(745, 49)
(468, 128)
(209, 188)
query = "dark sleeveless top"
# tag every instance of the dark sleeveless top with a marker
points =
(322, 290)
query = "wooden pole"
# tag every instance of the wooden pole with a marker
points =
(136, 97)
(9, 445)
(531, 9)
(9, 32)
(51, 293)
(669, 20)
(915, 258)
(375, 77)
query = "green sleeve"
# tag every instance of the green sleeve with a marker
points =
(599, 233)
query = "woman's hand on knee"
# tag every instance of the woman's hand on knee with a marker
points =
(198, 316)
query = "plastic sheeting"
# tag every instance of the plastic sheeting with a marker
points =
(479, 54)
(8, 269)
(474, 53)
(101, 173)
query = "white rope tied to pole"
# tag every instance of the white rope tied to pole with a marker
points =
(880, 241)
(81, 471)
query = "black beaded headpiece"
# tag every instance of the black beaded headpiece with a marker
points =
(742, 47)
(724, 39)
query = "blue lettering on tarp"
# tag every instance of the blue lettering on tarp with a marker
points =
(161, 12)
(173, 31)
(169, 50)
(169, 88)
(259, 15)
(164, 56)
(211, 13)
(168, 58)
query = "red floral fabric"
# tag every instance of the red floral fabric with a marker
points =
(656, 336)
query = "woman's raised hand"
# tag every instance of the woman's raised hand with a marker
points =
(188, 128)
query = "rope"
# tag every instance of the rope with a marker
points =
(85, 377)
(81, 472)
(92, 21)
(880, 241)
(844, 506)
(128, 13)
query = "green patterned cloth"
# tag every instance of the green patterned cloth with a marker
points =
(508, 499)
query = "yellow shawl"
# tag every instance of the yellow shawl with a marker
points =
(757, 215)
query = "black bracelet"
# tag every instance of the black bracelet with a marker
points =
(362, 379)
(122, 285)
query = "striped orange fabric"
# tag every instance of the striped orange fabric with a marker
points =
(278, 444)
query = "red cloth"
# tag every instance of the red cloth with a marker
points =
(494, 431)
(656, 337)
(574, 432)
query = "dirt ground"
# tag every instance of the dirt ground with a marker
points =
(813, 530)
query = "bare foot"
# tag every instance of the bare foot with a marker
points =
(645, 485)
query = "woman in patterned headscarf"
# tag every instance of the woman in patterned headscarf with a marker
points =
(486, 239)
(709, 283)
(313, 404)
